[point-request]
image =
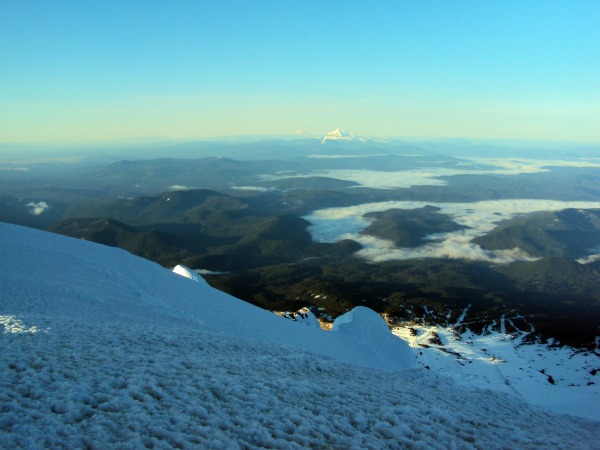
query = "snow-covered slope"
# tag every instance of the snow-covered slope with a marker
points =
(559, 378)
(100, 348)
(79, 280)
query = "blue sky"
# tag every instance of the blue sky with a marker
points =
(87, 70)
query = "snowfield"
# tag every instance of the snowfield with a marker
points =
(561, 379)
(104, 349)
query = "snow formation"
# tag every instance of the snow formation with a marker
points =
(104, 349)
(189, 273)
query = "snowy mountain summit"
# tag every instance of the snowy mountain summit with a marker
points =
(102, 349)
(338, 135)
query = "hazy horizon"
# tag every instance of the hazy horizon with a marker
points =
(115, 71)
(141, 141)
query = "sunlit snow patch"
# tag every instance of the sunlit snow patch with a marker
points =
(188, 273)
(10, 325)
(561, 379)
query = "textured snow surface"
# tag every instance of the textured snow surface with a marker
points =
(136, 386)
(97, 353)
(561, 379)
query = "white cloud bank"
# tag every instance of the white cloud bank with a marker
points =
(376, 179)
(17, 169)
(589, 259)
(38, 208)
(528, 165)
(335, 224)
(252, 188)
(592, 257)
(180, 187)
(318, 156)
(430, 176)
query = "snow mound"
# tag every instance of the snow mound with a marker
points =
(367, 329)
(189, 273)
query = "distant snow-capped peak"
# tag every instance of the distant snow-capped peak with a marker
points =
(338, 135)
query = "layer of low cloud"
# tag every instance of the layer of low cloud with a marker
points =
(15, 168)
(252, 188)
(376, 179)
(317, 156)
(180, 187)
(38, 208)
(479, 218)
(592, 257)
(432, 176)
(209, 272)
(528, 165)
(589, 259)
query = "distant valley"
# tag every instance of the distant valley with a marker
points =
(392, 226)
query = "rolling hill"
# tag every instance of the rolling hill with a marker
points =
(570, 233)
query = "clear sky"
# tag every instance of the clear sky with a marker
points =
(90, 70)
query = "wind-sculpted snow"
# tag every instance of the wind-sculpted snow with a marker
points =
(114, 385)
(102, 350)
(365, 327)
(189, 273)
